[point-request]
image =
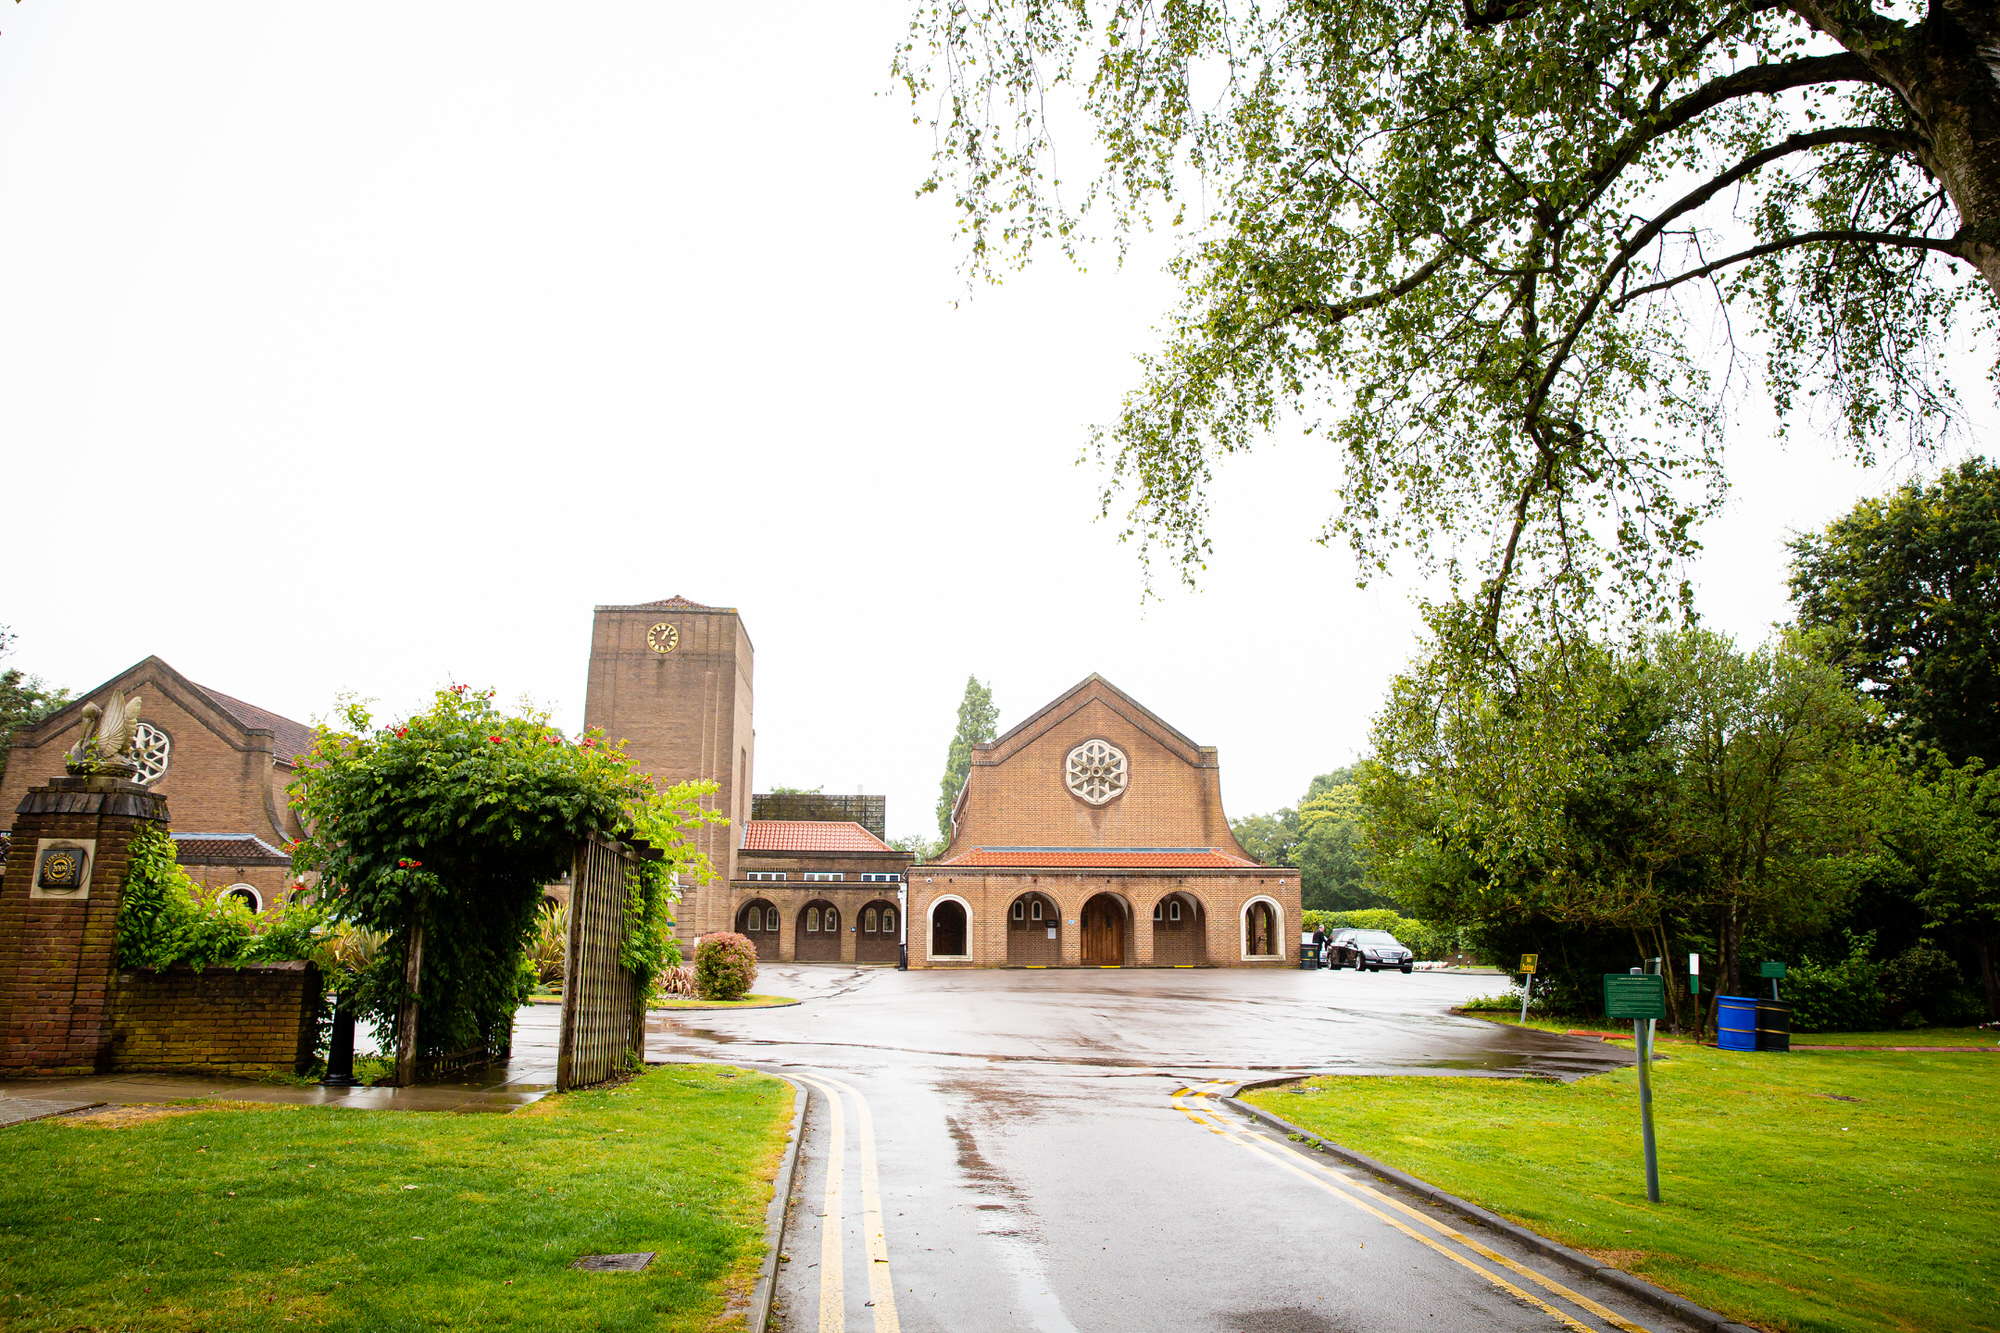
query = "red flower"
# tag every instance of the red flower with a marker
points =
(494, 739)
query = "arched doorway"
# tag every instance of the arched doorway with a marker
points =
(878, 940)
(757, 921)
(819, 932)
(1180, 931)
(1260, 931)
(1034, 931)
(948, 929)
(1102, 924)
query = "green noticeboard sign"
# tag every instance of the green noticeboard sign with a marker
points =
(1627, 996)
(1776, 971)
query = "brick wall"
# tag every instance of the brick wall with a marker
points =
(1217, 899)
(1016, 794)
(256, 1020)
(57, 954)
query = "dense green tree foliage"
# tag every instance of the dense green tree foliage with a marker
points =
(1569, 794)
(977, 718)
(1323, 837)
(1908, 585)
(1487, 247)
(24, 699)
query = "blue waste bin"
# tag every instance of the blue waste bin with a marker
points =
(1736, 1022)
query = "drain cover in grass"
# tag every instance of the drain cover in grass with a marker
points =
(615, 1263)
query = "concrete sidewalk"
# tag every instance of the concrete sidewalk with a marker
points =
(527, 1076)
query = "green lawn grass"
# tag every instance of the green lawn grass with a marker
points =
(1901, 1037)
(253, 1216)
(1780, 1205)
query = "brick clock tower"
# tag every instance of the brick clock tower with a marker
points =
(672, 680)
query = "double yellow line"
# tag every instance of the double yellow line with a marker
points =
(833, 1226)
(1357, 1195)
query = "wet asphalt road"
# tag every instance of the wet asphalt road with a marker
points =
(1036, 1151)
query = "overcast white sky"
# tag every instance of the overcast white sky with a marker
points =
(367, 347)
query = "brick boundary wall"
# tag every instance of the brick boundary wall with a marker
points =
(57, 955)
(262, 1018)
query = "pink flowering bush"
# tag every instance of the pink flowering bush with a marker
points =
(725, 965)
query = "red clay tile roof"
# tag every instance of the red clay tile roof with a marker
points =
(290, 739)
(809, 835)
(1104, 858)
(229, 849)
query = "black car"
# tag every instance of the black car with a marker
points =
(1368, 951)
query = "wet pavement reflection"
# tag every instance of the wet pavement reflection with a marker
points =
(1036, 1170)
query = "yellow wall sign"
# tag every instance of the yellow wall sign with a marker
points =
(1528, 962)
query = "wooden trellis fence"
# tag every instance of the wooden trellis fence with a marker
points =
(603, 1011)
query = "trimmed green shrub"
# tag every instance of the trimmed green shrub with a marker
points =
(1426, 941)
(1837, 997)
(725, 966)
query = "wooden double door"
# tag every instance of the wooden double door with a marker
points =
(1102, 929)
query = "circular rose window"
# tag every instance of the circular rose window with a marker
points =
(150, 748)
(1096, 771)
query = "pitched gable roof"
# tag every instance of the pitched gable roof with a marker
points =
(809, 835)
(289, 739)
(1076, 696)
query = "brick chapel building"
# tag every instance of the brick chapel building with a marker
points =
(1093, 835)
(221, 763)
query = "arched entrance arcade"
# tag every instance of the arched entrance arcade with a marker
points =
(1034, 931)
(757, 921)
(1180, 931)
(877, 940)
(1103, 928)
(950, 930)
(1263, 928)
(819, 932)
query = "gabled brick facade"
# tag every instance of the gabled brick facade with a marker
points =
(228, 761)
(1141, 870)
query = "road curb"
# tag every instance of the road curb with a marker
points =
(1637, 1288)
(774, 1216)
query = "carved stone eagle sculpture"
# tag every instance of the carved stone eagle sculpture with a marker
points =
(106, 742)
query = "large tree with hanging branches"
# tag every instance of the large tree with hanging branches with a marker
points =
(1510, 259)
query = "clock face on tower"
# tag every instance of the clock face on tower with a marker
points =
(663, 637)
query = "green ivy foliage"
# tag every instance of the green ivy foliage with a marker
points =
(165, 918)
(458, 817)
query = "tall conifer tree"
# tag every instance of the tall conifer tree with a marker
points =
(976, 719)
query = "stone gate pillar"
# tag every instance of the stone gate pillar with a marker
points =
(59, 921)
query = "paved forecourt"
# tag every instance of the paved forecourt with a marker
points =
(1045, 1151)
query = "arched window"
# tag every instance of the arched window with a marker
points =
(1036, 910)
(771, 919)
(1174, 910)
(1159, 912)
(812, 918)
(832, 919)
(1020, 909)
(247, 895)
(889, 920)
(868, 921)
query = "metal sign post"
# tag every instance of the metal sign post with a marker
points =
(1773, 972)
(1528, 961)
(1641, 997)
